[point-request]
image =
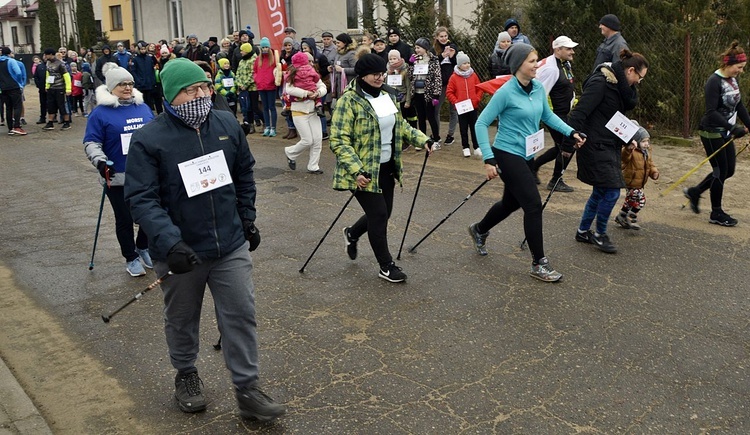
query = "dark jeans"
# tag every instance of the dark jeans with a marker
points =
(268, 101)
(520, 192)
(377, 207)
(13, 102)
(426, 113)
(124, 225)
(42, 104)
(723, 164)
(248, 105)
(466, 123)
(599, 206)
(554, 154)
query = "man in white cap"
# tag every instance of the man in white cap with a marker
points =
(556, 74)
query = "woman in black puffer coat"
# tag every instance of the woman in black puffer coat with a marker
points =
(608, 90)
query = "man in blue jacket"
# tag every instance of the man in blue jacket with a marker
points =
(189, 184)
(12, 81)
(144, 76)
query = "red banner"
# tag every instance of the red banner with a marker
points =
(272, 21)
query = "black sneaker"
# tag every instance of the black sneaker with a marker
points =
(478, 239)
(292, 164)
(325, 136)
(255, 404)
(319, 111)
(449, 140)
(622, 220)
(187, 391)
(603, 243)
(49, 126)
(392, 273)
(65, 126)
(258, 123)
(351, 244)
(41, 121)
(585, 237)
(633, 219)
(560, 187)
(692, 194)
(723, 219)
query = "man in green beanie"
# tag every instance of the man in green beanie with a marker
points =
(190, 186)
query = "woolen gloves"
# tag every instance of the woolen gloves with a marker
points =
(251, 234)
(181, 258)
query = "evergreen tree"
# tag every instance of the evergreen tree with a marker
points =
(49, 25)
(87, 33)
(393, 15)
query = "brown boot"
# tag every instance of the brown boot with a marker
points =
(286, 136)
(292, 133)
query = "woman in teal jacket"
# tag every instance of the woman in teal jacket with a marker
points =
(518, 107)
(367, 137)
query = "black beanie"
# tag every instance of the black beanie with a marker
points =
(345, 38)
(370, 64)
(424, 43)
(611, 21)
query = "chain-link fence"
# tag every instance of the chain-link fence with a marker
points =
(671, 95)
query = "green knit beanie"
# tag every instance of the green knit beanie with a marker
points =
(178, 74)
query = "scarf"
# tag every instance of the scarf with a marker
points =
(366, 88)
(397, 67)
(464, 74)
(195, 111)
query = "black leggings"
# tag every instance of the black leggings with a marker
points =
(723, 164)
(466, 122)
(426, 113)
(377, 207)
(520, 192)
(124, 225)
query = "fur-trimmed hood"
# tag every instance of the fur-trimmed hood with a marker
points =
(106, 98)
(350, 47)
(609, 73)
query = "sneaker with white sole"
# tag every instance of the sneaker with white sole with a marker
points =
(392, 273)
(622, 220)
(584, 237)
(467, 152)
(449, 140)
(351, 244)
(145, 257)
(543, 271)
(477, 152)
(694, 196)
(723, 219)
(633, 220)
(135, 268)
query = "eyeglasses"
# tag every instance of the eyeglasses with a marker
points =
(379, 75)
(640, 77)
(192, 90)
(126, 85)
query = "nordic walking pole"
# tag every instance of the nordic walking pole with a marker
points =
(692, 171)
(101, 208)
(738, 153)
(549, 195)
(449, 215)
(108, 317)
(411, 210)
(302, 269)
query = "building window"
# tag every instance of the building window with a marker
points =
(14, 35)
(444, 6)
(232, 18)
(29, 33)
(115, 14)
(353, 18)
(175, 18)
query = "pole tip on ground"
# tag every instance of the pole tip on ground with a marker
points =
(91, 267)
(106, 318)
(302, 270)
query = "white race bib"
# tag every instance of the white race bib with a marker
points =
(383, 105)
(534, 143)
(51, 80)
(77, 83)
(395, 80)
(464, 106)
(227, 82)
(733, 119)
(421, 68)
(205, 173)
(125, 142)
(622, 127)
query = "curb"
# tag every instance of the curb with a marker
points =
(18, 414)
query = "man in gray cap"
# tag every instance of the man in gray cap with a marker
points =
(614, 43)
(291, 33)
(556, 74)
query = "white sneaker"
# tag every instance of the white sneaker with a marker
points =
(467, 152)
(478, 153)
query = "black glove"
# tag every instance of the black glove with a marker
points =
(102, 168)
(738, 131)
(181, 258)
(251, 234)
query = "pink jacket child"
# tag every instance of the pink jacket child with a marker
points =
(305, 76)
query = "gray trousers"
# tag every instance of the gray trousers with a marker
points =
(230, 280)
(453, 120)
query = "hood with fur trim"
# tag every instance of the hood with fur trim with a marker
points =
(105, 98)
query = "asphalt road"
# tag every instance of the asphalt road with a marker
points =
(652, 339)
